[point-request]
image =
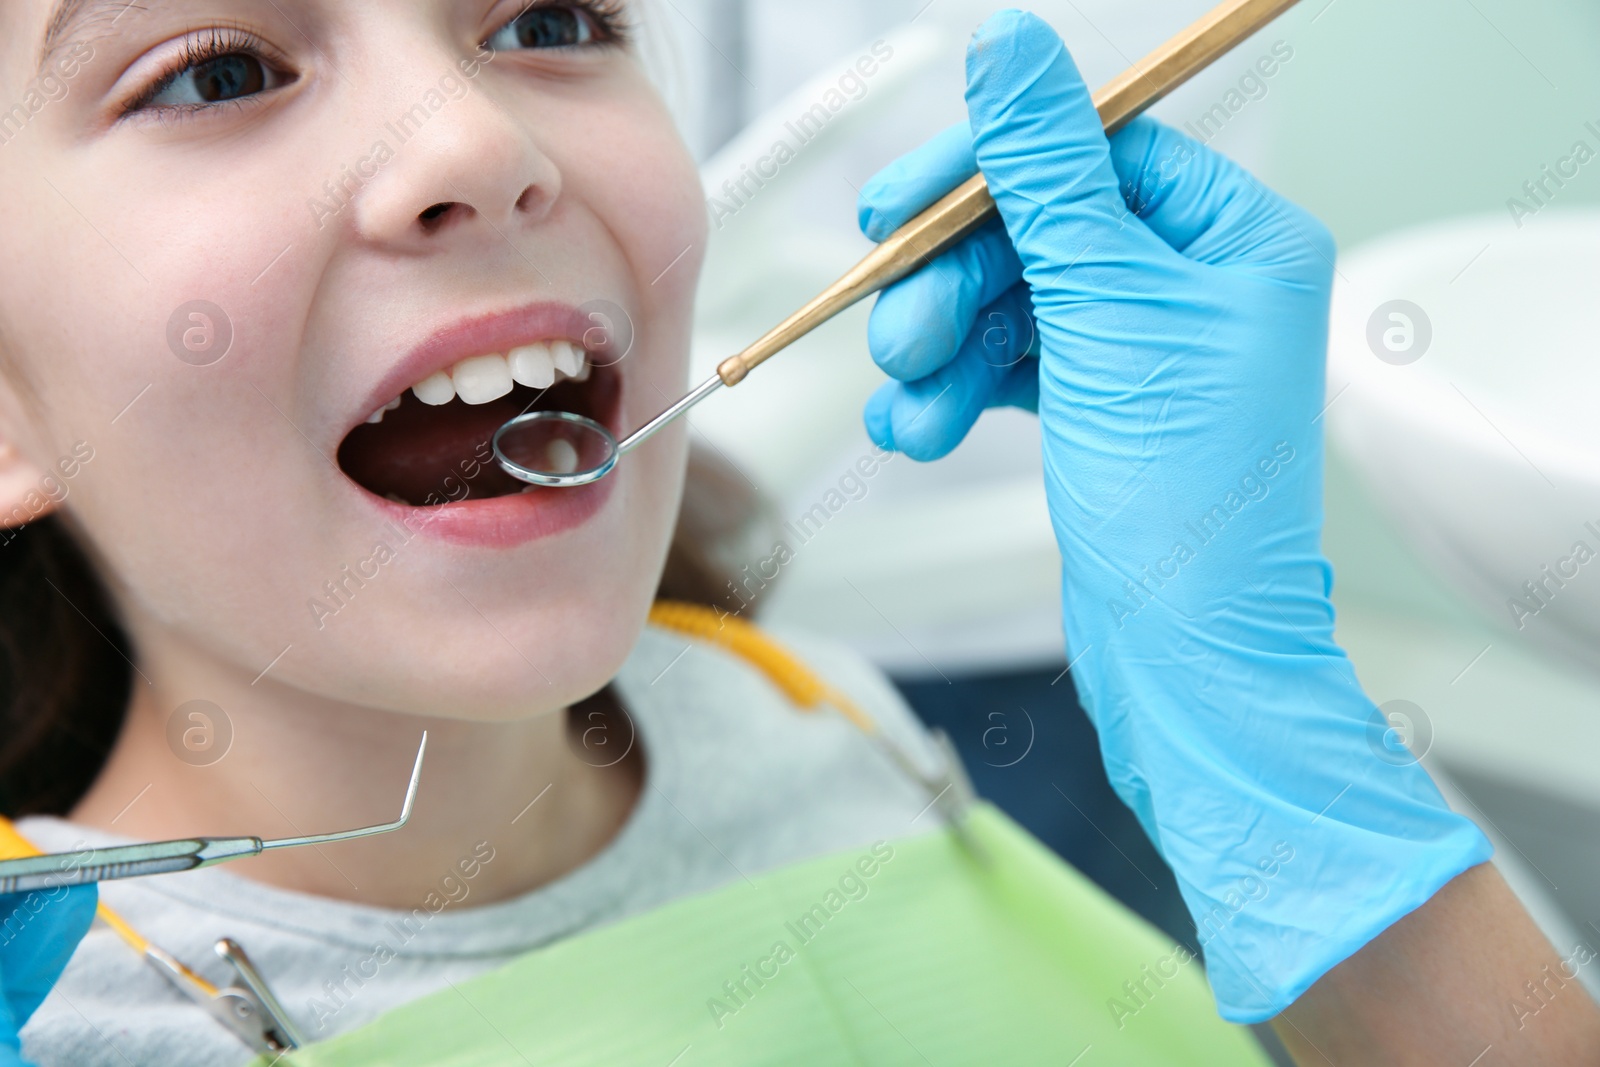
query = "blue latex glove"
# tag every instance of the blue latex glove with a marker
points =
(38, 934)
(1167, 318)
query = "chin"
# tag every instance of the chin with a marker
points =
(542, 643)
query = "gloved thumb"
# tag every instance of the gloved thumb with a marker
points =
(1039, 141)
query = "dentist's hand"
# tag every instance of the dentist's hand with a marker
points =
(38, 934)
(1167, 317)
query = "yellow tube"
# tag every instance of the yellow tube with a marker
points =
(747, 642)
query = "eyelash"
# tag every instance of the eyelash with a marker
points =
(611, 29)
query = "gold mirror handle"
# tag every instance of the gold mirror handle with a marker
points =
(969, 205)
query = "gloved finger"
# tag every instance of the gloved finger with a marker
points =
(919, 323)
(1206, 206)
(45, 927)
(928, 417)
(876, 415)
(1042, 146)
(902, 189)
(907, 404)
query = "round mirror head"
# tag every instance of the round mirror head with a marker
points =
(555, 448)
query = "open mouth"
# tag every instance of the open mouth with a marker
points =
(430, 446)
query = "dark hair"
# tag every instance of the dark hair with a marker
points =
(64, 670)
(724, 525)
(65, 667)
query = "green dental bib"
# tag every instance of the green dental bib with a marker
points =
(907, 953)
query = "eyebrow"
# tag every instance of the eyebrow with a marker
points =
(71, 15)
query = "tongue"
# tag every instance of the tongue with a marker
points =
(431, 455)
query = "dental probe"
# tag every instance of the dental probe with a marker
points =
(165, 857)
(557, 448)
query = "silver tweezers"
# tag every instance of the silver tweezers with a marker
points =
(165, 857)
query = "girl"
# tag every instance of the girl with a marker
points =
(288, 267)
(279, 268)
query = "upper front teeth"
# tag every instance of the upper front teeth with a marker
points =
(532, 365)
(481, 379)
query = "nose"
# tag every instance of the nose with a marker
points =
(457, 161)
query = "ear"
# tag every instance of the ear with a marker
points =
(23, 492)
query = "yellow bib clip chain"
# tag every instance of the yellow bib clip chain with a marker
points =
(951, 789)
(746, 641)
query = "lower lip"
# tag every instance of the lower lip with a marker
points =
(503, 521)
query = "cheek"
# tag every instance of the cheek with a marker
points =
(143, 315)
(155, 333)
(142, 295)
(631, 168)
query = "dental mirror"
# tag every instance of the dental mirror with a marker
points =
(560, 449)
(556, 448)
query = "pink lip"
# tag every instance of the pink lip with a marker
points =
(502, 521)
(498, 332)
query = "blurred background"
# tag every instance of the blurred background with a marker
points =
(1461, 468)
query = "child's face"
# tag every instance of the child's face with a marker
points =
(361, 196)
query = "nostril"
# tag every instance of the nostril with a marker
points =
(434, 217)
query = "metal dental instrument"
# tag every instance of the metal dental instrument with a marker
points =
(166, 857)
(560, 449)
(246, 1007)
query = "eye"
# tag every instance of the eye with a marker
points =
(219, 68)
(556, 26)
